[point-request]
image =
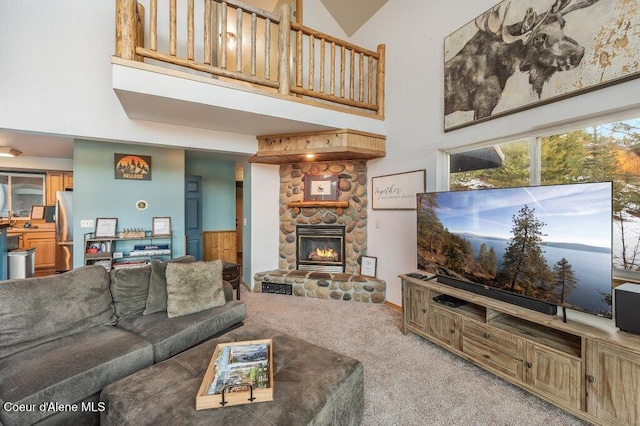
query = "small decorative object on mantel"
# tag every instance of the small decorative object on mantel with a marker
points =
(368, 266)
(132, 233)
(320, 187)
(128, 166)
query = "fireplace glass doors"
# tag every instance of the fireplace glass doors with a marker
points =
(320, 248)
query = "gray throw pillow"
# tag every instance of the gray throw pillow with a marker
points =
(157, 297)
(194, 287)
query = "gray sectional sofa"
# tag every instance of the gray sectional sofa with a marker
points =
(65, 337)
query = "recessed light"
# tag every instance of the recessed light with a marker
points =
(310, 155)
(9, 152)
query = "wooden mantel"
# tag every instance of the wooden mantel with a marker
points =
(330, 145)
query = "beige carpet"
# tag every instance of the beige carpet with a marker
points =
(408, 380)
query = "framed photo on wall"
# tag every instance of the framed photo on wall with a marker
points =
(37, 212)
(321, 187)
(106, 227)
(161, 227)
(368, 266)
(558, 56)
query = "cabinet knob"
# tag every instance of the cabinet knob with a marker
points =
(487, 335)
(487, 356)
(424, 311)
(590, 378)
(529, 365)
(453, 330)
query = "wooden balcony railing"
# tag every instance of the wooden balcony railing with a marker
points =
(326, 68)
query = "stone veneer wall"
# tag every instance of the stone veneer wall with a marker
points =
(352, 185)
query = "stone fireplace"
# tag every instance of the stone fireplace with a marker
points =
(320, 248)
(334, 272)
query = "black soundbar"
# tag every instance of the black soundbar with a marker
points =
(504, 296)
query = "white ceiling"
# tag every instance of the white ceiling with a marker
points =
(352, 14)
(37, 145)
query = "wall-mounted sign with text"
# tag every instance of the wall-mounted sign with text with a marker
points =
(129, 166)
(398, 191)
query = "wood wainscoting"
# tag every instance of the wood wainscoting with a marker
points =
(220, 245)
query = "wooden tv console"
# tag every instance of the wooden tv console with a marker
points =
(592, 372)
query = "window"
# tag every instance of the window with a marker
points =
(19, 192)
(607, 152)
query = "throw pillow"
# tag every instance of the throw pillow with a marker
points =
(157, 297)
(194, 287)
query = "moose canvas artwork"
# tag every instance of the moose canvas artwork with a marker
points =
(524, 53)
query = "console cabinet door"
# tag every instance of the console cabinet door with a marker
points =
(444, 326)
(415, 303)
(613, 383)
(554, 374)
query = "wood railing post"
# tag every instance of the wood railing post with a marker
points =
(380, 81)
(126, 23)
(284, 41)
(139, 29)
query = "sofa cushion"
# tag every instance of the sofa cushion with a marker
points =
(170, 336)
(157, 297)
(194, 287)
(38, 310)
(69, 369)
(129, 288)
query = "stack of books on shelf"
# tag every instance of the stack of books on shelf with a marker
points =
(150, 250)
(105, 263)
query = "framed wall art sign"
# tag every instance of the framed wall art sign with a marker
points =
(522, 54)
(161, 227)
(321, 187)
(106, 227)
(130, 166)
(368, 266)
(397, 191)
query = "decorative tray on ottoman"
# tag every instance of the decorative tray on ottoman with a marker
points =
(239, 373)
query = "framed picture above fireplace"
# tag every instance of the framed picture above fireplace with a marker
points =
(321, 187)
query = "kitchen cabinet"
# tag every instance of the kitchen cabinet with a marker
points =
(57, 181)
(42, 239)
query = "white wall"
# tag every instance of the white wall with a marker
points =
(55, 77)
(264, 225)
(414, 33)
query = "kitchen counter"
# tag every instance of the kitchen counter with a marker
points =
(42, 238)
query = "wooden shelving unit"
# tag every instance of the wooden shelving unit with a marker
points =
(106, 257)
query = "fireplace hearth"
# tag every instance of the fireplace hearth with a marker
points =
(320, 248)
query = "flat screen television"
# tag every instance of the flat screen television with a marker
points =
(545, 244)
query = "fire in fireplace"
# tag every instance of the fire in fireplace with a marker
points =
(320, 248)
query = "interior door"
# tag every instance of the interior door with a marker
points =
(193, 215)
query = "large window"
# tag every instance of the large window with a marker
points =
(608, 152)
(18, 192)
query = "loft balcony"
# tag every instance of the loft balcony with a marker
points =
(229, 66)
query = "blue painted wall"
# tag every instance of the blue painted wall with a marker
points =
(96, 192)
(218, 192)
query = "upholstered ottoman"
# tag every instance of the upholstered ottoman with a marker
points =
(312, 385)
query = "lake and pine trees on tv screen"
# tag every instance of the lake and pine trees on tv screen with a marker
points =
(551, 243)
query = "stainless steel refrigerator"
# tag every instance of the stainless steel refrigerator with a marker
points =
(64, 231)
